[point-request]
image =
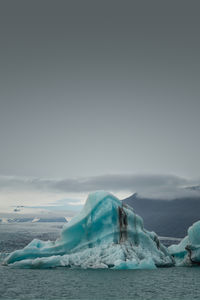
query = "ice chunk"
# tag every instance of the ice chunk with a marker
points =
(187, 252)
(105, 234)
(143, 264)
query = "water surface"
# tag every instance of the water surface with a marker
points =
(63, 283)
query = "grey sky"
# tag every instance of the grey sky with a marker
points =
(99, 87)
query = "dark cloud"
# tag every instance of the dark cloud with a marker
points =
(161, 186)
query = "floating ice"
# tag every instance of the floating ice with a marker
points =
(106, 234)
(187, 253)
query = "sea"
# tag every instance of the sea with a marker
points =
(65, 283)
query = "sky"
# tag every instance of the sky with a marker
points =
(90, 89)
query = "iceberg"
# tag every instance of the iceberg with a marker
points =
(105, 234)
(187, 252)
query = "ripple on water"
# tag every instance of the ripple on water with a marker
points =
(63, 283)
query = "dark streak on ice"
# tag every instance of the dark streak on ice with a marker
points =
(123, 222)
(157, 242)
(189, 250)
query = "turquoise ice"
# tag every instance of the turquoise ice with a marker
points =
(187, 253)
(105, 234)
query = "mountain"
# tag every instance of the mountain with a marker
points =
(193, 188)
(166, 217)
(32, 219)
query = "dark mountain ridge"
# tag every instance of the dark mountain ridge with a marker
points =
(166, 217)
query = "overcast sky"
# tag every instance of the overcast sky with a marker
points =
(89, 88)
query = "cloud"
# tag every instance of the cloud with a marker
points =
(161, 186)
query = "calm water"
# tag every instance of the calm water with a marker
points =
(174, 283)
(63, 283)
